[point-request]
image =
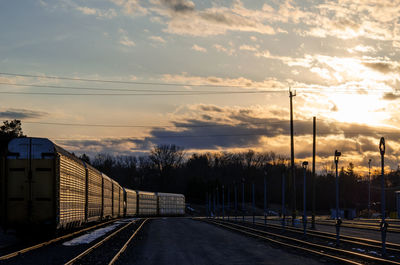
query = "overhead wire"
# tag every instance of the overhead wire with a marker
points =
(305, 90)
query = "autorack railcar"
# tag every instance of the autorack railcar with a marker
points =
(130, 202)
(43, 184)
(170, 204)
(147, 203)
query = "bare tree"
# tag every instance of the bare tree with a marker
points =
(165, 157)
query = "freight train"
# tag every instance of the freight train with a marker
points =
(44, 185)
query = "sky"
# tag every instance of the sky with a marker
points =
(121, 76)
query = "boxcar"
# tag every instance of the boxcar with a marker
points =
(130, 202)
(94, 193)
(107, 197)
(116, 193)
(44, 185)
(121, 202)
(147, 203)
(2, 189)
(171, 204)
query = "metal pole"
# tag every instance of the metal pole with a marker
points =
(384, 225)
(223, 202)
(291, 95)
(305, 163)
(265, 198)
(313, 173)
(235, 202)
(207, 212)
(243, 201)
(338, 220)
(253, 202)
(229, 202)
(209, 205)
(214, 205)
(369, 188)
(283, 201)
(217, 203)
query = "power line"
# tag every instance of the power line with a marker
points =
(120, 82)
(181, 125)
(115, 89)
(143, 94)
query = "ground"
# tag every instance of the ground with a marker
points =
(186, 241)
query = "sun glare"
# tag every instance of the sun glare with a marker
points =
(359, 108)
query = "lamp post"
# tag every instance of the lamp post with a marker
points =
(338, 220)
(305, 163)
(243, 199)
(369, 188)
(223, 202)
(384, 225)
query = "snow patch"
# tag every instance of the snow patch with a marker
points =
(90, 237)
(359, 249)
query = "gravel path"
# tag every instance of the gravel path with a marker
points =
(186, 241)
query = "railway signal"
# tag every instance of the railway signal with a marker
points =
(305, 163)
(338, 220)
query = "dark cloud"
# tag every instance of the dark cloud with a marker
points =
(179, 6)
(243, 129)
(390, 96)
(381, 67)
(210, 108)
(21, 114)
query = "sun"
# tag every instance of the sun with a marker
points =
(359, 108)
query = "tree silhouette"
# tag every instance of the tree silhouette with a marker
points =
(9, 130)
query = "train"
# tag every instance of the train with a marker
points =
(44, 185)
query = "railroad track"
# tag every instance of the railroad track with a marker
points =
(322, 250)
(362, 242)
(84, 257)
(393, 228)
(54, 240)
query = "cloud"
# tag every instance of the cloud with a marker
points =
(184, 78)
(184, 19)
(383, 67)
(390, 96)
(108, 13)
(198, 48)
(86, 10)
(157, 39)
(125, 40)
(227, 50)
(21, 114)
(131, 7)
(178, 6)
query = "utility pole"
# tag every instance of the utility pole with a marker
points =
(291, 95)
(313, 173)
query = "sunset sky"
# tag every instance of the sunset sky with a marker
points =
(205, 75)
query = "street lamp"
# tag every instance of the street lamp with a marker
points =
(305, 163)
(338, 220)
